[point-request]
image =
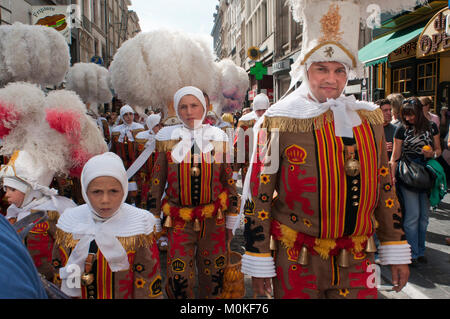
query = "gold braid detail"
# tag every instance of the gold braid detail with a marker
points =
(128, 243)
(293, 125)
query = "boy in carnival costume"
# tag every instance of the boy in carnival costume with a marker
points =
(326, 159)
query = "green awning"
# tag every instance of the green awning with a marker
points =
(377, 51)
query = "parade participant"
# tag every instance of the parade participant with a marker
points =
(50, 134)
(326, 159)
(200, 193)
(143, 165)
(243, 139)
(105, 249)
(191, 202)
(124, 144)
(26, 182)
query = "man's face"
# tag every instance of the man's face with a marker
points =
(327, 80)
(387, 113)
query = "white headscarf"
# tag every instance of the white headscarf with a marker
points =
(107, 164)
(124, 110)
(261, 102)
(190, 90)
(152, 121)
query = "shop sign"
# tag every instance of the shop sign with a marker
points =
(56, 17)
(407, 50)
(435, 38)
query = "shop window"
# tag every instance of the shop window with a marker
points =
(426, 77)
(402, 80)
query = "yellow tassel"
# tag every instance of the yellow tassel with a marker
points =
(197, 225)
(168, 222)
(323, 247)
(358, 243)
(185, 213)
(288, 236)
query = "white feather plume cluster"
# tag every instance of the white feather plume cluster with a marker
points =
(35, 54)
(31, 128)
(299, 7)
(149, 68)
(234, 85)
(90, 81)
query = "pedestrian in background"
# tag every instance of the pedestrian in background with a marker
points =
(427, 103)
(418, 139)
(389, 128)
(396, 100)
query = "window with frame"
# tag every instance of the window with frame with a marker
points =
(426, 76)
(402, 80)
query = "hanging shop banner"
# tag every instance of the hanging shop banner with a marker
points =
(56, 17)
(434, 38)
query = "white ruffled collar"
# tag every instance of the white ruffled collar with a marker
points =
(79, 221)
(299, 106)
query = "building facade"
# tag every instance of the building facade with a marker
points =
(101, 26)
(410, 54)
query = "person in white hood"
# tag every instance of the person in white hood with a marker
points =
(201, 198)
(106, 249)
(26, 182)
(243, 139)
(124, 144)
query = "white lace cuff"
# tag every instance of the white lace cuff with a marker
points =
(394, 253)
(260, 267)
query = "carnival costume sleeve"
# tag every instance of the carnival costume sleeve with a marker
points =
(257, 260)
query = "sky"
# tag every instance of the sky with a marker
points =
(193, 16)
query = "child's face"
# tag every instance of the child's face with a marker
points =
(14, 196)
(105, 195)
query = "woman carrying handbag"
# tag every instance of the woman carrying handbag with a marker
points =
(415, 142)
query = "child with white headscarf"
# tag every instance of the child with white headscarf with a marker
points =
(200, 202)
(105, 249)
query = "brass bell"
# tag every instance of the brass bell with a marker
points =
(352, 167)
(371, 247)
(195, 171)
(273, 244)
(343, 259)
(168, 222)
(219, 215)
(87, 279)
(197, 225)
(303, 256)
